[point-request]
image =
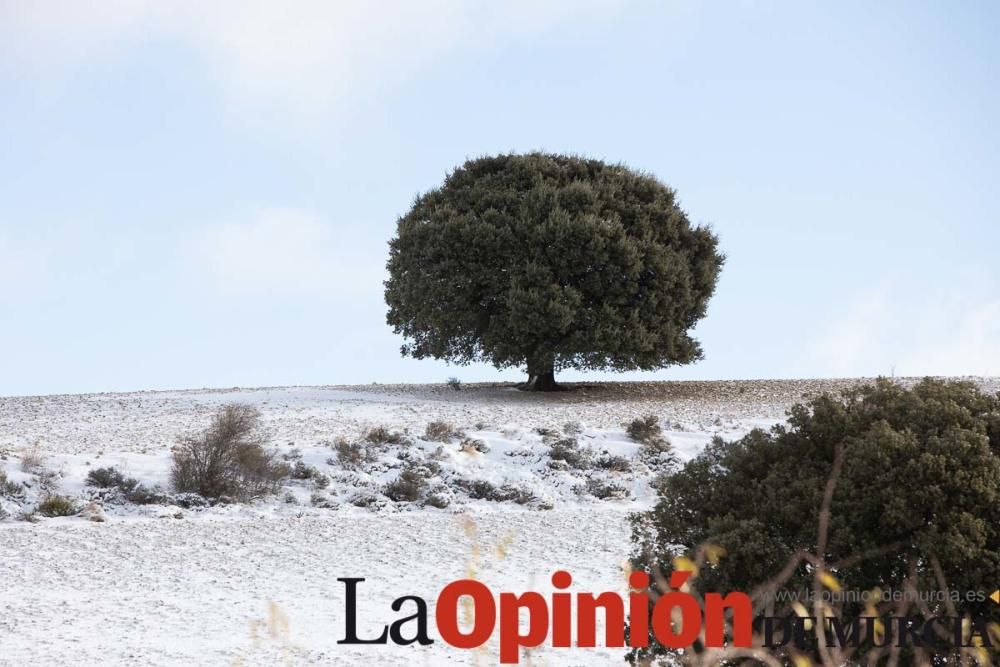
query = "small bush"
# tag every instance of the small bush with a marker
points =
(605, 490)
(350, 454)
(573, 428)
(614, 463)
(454, 383)
(568, 450)
(48, 480)
(111, 478)
(321, 500)
(304, 471)
(408, 487)
(380, 435)
(57, 506)
(32, 459)
(364, 499)
(143, 495)
(481, 489)
(228, 458)
(440, 431)
(645, 429)
(10, 489)
(658, 453)
(440, 498)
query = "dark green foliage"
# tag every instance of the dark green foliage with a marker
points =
(144, 495)
(111, 478)
(57, 506)
(920, 477)
(408, 487)
(614, 463)
(604, 490)
(656, 450)
(481, 489)
(229, 458)
(548, 262)
(645, 428)
(570, 451)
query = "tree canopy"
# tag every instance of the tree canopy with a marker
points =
(915, 501)
(550, 262)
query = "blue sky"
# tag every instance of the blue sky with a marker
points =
(200, 194)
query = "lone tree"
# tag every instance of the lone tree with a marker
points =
(549, 262)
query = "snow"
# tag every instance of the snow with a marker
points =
(257, 583)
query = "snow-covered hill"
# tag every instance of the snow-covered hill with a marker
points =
(173, 582)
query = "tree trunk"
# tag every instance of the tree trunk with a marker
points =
(541, 377)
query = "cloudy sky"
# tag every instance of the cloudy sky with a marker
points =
(200, 194)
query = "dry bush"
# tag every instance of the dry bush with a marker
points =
(604, 490)
(229, 458)
(380, 435)
(32, 460)
(645, 428)
(570, 451)
(408, 487)
(55, 505)
(352, 454)
(9, 489)
(440, 431)
(613, 463)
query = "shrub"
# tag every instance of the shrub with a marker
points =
(454, 383)
(613, 463)
(55, 505)
(905, 481)
(604, 490)
(111, 478)
(573, 428)
(32, 459)
(144, 495)
(228, 458)
(9, 489)
(439, 498)
(568, 450)
(481, 489)
(659, 454)
(645, 428)
(440, 431)
(408, 487)
(304, 471)
(321, 500)
(48, 480)
(380, 435)
(350, 454)
(364, 499)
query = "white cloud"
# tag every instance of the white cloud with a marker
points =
(883, 332)
(306, 57)
(286, 252)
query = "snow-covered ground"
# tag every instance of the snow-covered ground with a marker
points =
(257, 583)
